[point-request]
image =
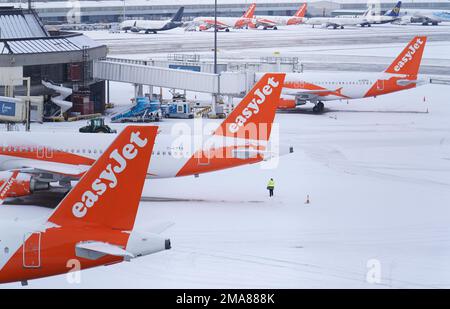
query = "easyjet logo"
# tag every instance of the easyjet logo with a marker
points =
(108, 177)
(6, 186)
(253, 106)
(408, 56)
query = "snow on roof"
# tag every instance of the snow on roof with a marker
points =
(16, 24)
(47, 45)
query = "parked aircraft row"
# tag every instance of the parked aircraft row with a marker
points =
(94, 224)
(249, 20)
(252, 21)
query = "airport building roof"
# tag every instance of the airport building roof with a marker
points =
(46, 45)
(24, 41)
(16, 23)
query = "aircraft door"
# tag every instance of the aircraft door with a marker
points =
(32, 250)
(380, 84)
(203, 158)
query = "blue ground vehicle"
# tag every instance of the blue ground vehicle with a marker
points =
(178, 109)
(145, 110)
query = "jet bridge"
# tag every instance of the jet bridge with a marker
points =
(139, 72)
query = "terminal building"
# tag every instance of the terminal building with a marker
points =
(107, 11)
(49, 60)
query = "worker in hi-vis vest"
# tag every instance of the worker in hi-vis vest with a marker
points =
(271, 186)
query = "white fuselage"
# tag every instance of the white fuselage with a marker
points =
(172, 155)
(327, 86)
(338, 21)
(143, 25)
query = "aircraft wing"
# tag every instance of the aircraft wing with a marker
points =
(209, 23)
(305, 94)
(264, 22)
(94, 250)
(36, 167)
(312, 95)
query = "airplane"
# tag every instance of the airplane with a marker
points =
(63, 157)
(424, 17)
(316, 87)
(272, 22)
(153, 26)
(389, 17)
(338, 21)
(94, 225)
(225, 23)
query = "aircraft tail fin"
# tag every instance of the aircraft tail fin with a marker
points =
(253, 117)
(178, 15)
(301, 11)
(395, 10)
(250, 11)
(408, 61)
(110, 191)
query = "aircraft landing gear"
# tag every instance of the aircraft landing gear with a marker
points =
(318, 108)
(342, 27)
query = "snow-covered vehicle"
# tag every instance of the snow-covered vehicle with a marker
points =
(145, 110)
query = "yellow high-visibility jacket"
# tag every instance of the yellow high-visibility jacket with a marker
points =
(271, 184)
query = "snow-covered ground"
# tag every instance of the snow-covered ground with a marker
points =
(378, 175)
(377, 172)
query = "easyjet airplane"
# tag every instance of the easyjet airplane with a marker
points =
(316, 87)
(30, 161)
(94, 224)
(226, 23)
(272, 22)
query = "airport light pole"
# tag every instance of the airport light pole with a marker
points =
(215, 56)
(123, 11)
(215, 36)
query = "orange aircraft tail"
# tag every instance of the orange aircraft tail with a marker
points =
(109, 193)
(253, 117)
(250, 11)
(408, 62)
(301, 11)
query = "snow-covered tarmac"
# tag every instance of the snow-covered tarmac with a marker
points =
(377, 172)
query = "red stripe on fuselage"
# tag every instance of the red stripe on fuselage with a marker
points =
(45, 154)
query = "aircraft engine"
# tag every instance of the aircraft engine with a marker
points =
(21, 185)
